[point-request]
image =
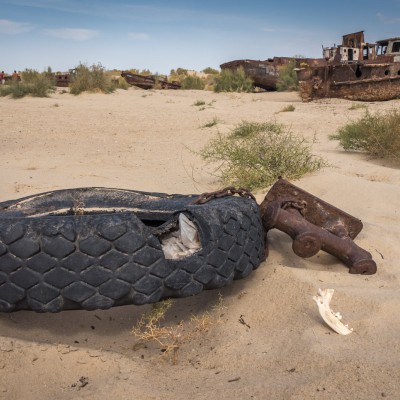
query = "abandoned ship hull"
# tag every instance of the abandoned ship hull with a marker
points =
(265, 74)
(148, 82)
(362, 82)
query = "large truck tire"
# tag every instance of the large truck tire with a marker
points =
(95, 248)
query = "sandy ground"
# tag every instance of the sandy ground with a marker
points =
(281, 349)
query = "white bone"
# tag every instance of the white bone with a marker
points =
(332, 319)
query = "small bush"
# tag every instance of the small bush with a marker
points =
(170, 338)
(289, 108)
(192, 82)
(287, 80)
(378, 135)
(198, 103)
(15, 90)
(233, 81)
(29, 75)
(120, 83)
(211, 123)
(32, 83)
(90, 79)
(210, 71)
(254, 155)
(178, 75)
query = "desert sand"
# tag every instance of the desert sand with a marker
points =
(280, 348)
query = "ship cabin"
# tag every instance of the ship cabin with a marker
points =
(389, 47)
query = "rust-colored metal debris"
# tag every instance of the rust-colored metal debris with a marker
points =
(265, 73)
(148, 82)
(62, 80)
(315, 225)
(354, 70)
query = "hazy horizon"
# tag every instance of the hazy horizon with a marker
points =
(188, 34)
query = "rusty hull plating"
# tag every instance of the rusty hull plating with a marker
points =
(354, 70)
(265, 73)
(148, 82)
(315, 225)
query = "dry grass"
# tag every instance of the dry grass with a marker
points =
(378, 135)
(288, 108)
(254, 155)
(211, 123)
(170, 338)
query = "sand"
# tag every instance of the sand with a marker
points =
(271, 342)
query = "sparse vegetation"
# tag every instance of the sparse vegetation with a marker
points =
(233, 81)
(358, 106)
(210, 71)
(178, 75)
(288, 108)
(199, 103)
(254, 155)
(32, 83)
(287, 80)
(378, 135)
(211, 123)
(150, 328)
(120, 83)
(193, 82)
(144, 72)
(90, 79)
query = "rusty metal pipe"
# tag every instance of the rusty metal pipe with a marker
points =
(308, 239)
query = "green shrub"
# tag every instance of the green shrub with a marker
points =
(120, 83)
(233, 81)
(178, 74)
(288, 108)
(378, 135)
(254, 155)
(210, 71)
(32, 83)
(287, 80)
(15, 89)
(29, 75)
(211, 123)
(42, 86)
(192, 82)
(91, 79)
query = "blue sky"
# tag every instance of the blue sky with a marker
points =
(161, 35)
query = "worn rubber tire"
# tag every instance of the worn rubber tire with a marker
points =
(93, 248)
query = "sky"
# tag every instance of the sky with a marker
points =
(164, 35)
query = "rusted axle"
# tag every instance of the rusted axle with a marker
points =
(315, 225)
(312, 223)
(309, 239)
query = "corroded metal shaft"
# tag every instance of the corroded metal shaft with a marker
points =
(308, 238)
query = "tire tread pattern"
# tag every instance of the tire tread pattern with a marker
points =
(92, 261)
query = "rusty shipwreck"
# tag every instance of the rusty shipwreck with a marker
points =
(354, 70)
(148, 81)
(265, 73)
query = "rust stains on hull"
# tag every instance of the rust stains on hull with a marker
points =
(265, 73)
(148, 82)
(361, 81)
(354, 70)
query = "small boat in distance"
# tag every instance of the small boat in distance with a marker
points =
(148, 81)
